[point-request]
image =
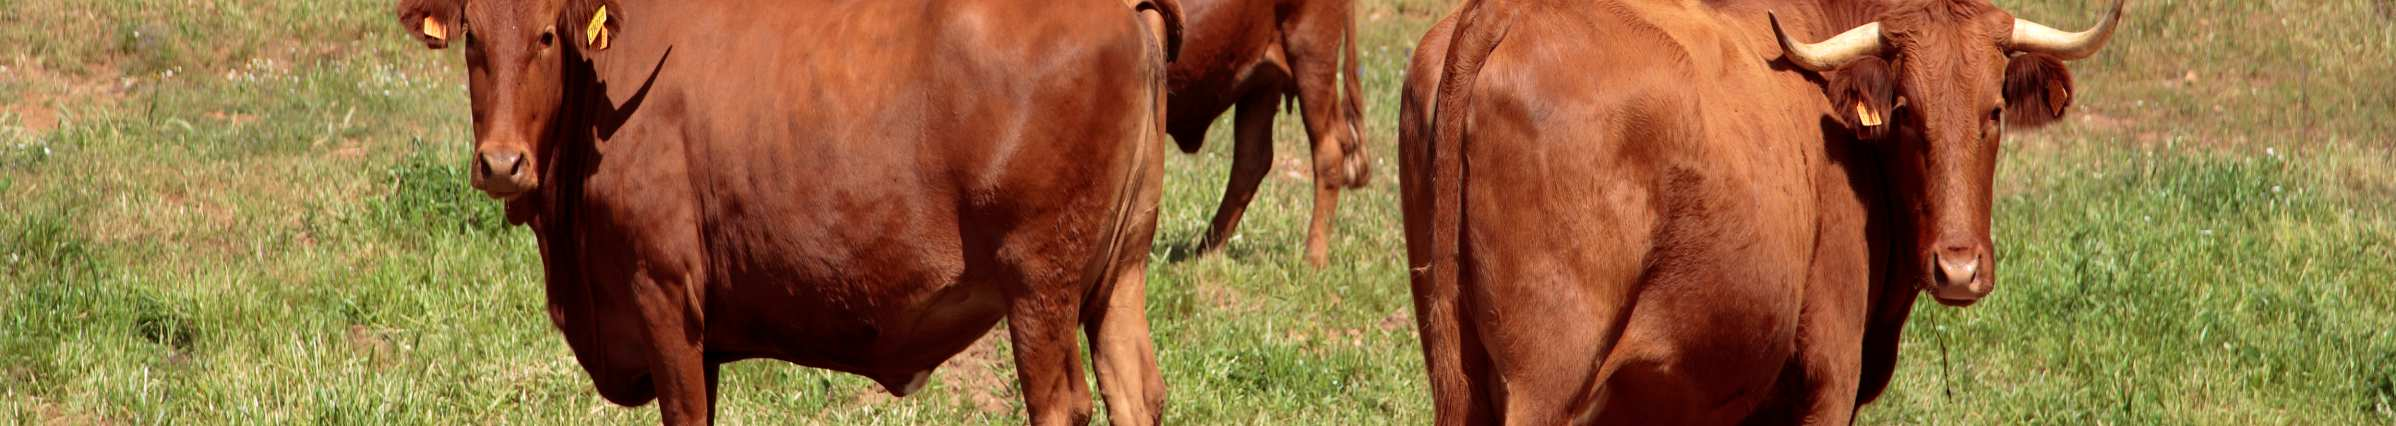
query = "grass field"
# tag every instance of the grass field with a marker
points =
(254, 211)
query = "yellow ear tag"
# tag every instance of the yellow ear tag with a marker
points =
(1865, 115)
(433, 28)
(596, 35)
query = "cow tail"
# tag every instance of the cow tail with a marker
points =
(1477, 34)
(1129, 200)
(1352, 88)
(1171, 11)
(1480, 25)
(1352, 82)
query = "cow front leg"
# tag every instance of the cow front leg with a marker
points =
(714, 376)
(677, 365)
(1830, 357)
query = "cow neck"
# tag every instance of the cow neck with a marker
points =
(573, 155)
(1891, 297)
(1839, 15)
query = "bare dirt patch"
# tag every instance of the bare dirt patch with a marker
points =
(1399, 319)
(978, 374)
(43, 92)
(1222, 297)
(51, 414)
(372, 343)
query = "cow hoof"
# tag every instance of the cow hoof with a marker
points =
(1356, 170)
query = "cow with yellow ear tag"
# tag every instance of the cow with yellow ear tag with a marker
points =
(862, 186)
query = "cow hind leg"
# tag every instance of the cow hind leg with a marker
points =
(1312, 38)
(1116, 317)
(1043, 306)
(1124, 351)
(1252, 159)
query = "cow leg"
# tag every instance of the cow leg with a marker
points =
(1318, 230)
(1124, 351)
(714, 376)
(676, 363)
(1252, 159)
(1312, 38)
(1041, 316)
(1116, 319)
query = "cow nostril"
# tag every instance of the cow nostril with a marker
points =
(502, 163)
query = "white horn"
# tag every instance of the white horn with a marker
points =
(1858, 42)
(2034, 37)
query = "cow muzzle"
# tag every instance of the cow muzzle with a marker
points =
(1960, 275)
(504, 173)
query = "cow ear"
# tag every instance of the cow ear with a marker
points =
(596, 22)
(433, 22)
(2038, 88)
(1864, 97)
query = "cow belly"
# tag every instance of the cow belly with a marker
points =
(905, 329)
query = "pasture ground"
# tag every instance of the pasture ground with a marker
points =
(251, 211)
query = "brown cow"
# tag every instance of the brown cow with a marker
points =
(1254, 54)
(1643, 212)
(866, 187)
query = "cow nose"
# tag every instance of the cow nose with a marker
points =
(502, 172)
(1957, 268)
(502, 163)
(1956, 275)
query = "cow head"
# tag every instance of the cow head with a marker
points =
(1942, 79)
(516, 52)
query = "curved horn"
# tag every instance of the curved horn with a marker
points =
(1863, 40)
(2034, 37)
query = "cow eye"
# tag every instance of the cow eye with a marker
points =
(548, 38)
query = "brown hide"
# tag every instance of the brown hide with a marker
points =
(1637, 212)
(866, 187)
(1254, 54)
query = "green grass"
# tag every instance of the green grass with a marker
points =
(250, 211)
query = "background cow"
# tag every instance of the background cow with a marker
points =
(1255, 54)
(1674, 212)
(861, 186)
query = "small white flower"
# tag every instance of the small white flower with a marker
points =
(2271, 151)
(2275, 189)
(2206, 232)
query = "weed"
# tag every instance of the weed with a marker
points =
(429, 193)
